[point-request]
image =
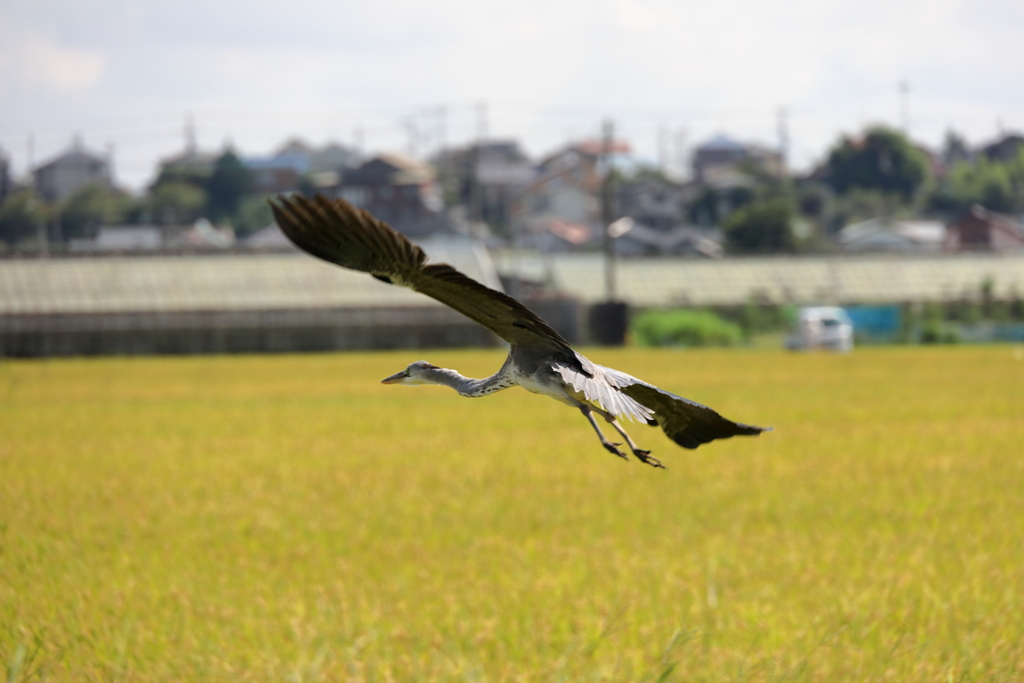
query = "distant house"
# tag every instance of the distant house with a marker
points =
(201, 235)
(654, 202)
(280, 173)
(487, 178)
(120, 238)
(204, 235)
(283, 171)
(69, 172)
(396, 189)
(561, 208)
(656, 207)
(640, 239)
(982, 230)
(725, 176)
(330, 157)
(1005, 148)
(129, 237)
(883, 234)
(271, 238)
(722, 152)
(550, 234)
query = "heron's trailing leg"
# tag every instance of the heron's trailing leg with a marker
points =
(609, 446)
(641, 454)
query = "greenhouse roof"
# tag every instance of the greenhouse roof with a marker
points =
(296, 281)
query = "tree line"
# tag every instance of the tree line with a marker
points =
(879, 173)
(224, 194)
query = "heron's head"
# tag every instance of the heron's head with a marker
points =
(416, 373)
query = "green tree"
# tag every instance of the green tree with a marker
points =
(712, 205)
(176, 202)
(762, 226)
(91, 206)
(176, 173)
(644, 172)
(993, 183)
(229, 183)
(882, 159)
(253, 214)
(984, 182)
(22, 216)
(955, 149)
(859, 205)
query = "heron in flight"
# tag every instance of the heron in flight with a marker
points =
(539, 359)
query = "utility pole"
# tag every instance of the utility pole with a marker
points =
(608, 208)
(424, 131)
(190, 134)
(608, 319)
(680, 144)
(110, 163)
(783, 139)
(662, 143)
(476, 192)
(30, 152)
(357, 139)
(410, 128)
(41, 236)
(442, 128)
(481, 121)
(904, 91)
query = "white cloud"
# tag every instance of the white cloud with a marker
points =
(256, 72)
(33, 60)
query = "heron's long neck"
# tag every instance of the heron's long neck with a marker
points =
(467, 386)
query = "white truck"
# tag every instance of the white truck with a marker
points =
(822, 327)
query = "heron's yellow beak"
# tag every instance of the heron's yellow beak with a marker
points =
(395, 378)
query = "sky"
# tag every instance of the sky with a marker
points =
(125, 76)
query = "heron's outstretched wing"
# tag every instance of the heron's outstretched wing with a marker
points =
(601, 385)
(687, 422)
(338, 232)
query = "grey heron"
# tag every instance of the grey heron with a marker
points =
(539, 359)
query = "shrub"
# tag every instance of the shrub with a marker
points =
(755, 318)
(682, 327)
(763, 227)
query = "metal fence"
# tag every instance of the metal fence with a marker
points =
(290, 302)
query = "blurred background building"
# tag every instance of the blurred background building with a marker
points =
(194, 262)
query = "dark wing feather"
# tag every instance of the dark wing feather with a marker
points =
(351, 238)
(686, 422)
(336, 231)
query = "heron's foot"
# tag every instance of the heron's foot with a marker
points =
(646, 457)
(614, 450)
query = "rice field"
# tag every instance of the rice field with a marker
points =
(288, 518)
